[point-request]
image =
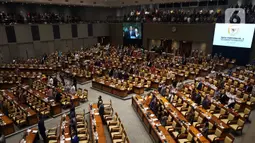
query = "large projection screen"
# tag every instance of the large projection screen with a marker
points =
(233, 35)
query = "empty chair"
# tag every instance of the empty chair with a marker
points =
(216, 136)
(246, 113)
(229, 119)
(239, 125)
(199, 121)
(189, 138)
(229, 139)
(120, 138)
(221, 114)
(176, 134)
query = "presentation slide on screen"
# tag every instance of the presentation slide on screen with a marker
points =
(233, 35)
(132, 31)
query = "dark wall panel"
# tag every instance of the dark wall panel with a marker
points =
(101, 29)
(185, 32)
(77, 44)
(26, 50)
(90, 30)
(116, 34)
(69, 43)
(23, 33)
(56, 31)
(51, 47)
(57, 45)
(40, 48)
(82, 30)
(74, 31)
(46, 32)
(14, 51)
(3, 39)
(10, 32)
(5, 54)
(35, 32)
(65, 31)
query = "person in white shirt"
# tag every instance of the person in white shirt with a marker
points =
(73, 90)
(50, 81)
(76, 56)
(231, 102)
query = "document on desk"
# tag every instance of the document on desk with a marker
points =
(146, 108)
(34, 131)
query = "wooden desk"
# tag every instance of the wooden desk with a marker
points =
(139, 107)
(98, 128)
(204, 113)
(65, 128)
(31, 114)
(6, 125)
(54, 107)
(32, 136)
(75, 99)
(174, 112)
(138, 90)
(109, 89)
(154, 84)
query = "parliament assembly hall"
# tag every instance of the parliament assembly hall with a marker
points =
(127, 71)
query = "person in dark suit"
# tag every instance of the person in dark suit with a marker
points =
(72, 112)
(198, 99)
(248, 88)
(100, 101)
(42, 128)
(206, 103)
(129, 33)
(75, 82)
(55, 81)
(58, 97)
(223, 98)
(190, 115)
(101, 111)
(200, 85)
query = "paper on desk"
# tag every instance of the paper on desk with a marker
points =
(154, 119)
(151, 115)
(28, 130)
(68, 139)
(34, 131)
(199, 135)
(96, 113)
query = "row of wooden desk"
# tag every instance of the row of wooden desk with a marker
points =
(205, 113)
(159, 133)
(96, 123)
(32, 135)
(31, 114)
(109, 89)
(6, 124)
(55, 107)
(178, 116)
(64, 128)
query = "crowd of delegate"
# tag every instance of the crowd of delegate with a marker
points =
(121, 62)
(181, 15)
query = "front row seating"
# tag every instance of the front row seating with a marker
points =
(116, 129)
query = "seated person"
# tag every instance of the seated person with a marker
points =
(206, 103)
(191, 115)
(198, 98)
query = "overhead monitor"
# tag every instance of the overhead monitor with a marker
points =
(132, 30)
(233, 35)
